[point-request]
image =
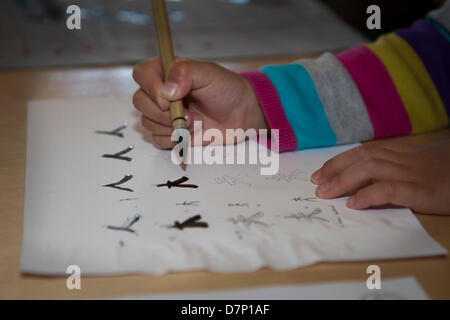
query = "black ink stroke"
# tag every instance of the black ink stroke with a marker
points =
(115, 185)
(188, 203)
(116, 132)
(192, 222)
(180, 140)
(127, 225)
(177, 184)
(119, 155)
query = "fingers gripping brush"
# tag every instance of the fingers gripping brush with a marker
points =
(180, 132)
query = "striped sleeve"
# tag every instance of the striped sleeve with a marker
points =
(398, 85)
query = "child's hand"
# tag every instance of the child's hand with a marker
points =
(414, 176)
(220, 98)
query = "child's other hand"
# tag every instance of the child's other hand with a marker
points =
(220, 98)
(413, 176)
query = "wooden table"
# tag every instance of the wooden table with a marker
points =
(17, 87)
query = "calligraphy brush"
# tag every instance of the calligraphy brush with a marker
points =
(167, 59)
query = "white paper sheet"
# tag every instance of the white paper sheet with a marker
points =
(391, 289)
(67, 210)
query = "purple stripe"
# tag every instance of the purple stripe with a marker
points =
(434, 51)
(273, 110)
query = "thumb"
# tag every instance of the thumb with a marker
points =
(185, 76)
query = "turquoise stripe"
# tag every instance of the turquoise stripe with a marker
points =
(302, 105)
(439, 27)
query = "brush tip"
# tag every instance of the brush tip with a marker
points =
(183, 166)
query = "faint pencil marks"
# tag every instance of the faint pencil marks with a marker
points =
(127, 225)
(287, 177)
(310, 217)
(119, 155)
(232, 180)
(115, 185)
(338, 216)
(238, 234)
(239, 204)
(254, 219)
(302, 199)
(129, 199)
(192, 222)
(188, 203)
(116, 132)
(179, 183)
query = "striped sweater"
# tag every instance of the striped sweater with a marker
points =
(398, 85)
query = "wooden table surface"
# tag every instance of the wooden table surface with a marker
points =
(17, 87)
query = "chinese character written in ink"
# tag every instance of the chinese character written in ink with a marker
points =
(192, 222)
(179, 183)
(119, 155)
(116, 132)
(127, 225)
(115, 185)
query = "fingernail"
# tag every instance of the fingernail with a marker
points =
(316, 175)
(170, 88)
(351, 202)
(324, 187)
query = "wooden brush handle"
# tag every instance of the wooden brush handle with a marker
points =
(167, 57)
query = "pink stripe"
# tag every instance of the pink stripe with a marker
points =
(384, 106)
(273, 110)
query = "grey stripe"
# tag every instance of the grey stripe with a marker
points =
(340, 98)
(442, 15)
